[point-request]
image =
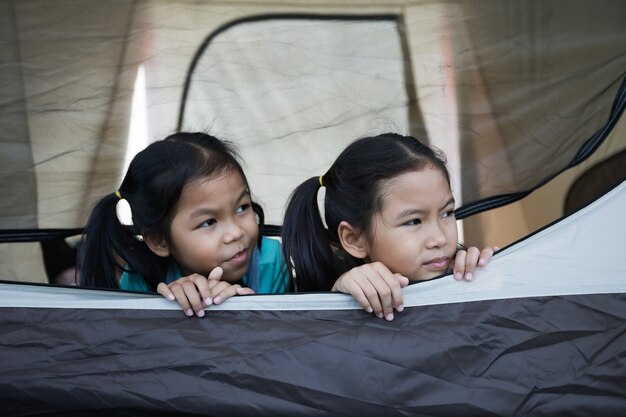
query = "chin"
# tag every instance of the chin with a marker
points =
(235, 276)
(427, 276)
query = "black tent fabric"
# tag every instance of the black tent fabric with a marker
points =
(541, 331)
(487, 358)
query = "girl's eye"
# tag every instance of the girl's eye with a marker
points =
(413, 222)
(243, 208)
(208, 223)
(449, 213)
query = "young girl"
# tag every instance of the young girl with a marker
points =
(389, 210)
(182, 223)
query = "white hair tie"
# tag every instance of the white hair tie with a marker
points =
(124, 213)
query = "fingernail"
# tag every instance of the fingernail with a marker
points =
(200, 313)
(369, 309)
(469, 276)
(170, 297)
(208, 301)
(217, 300)
(400, 307)
(379, 315)
(389, 317)
(189, 312)
(458, 276)
(481, 262)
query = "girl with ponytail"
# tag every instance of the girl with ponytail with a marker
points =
(388, 212)
(183, 224)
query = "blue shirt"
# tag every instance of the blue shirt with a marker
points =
(267, 273)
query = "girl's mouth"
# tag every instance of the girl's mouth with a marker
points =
(437, 264)
(239, 258)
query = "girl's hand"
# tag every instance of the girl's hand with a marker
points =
(195, 292)
(465, 261)
(375, 287)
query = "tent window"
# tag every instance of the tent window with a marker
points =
(292, 92)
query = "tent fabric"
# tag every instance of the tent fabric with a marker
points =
(511, 91)
(596, 182)
(541, 331)
(268, 69)
(284, 85)
(488, 358)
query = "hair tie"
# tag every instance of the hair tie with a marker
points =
(321, 180)
(124, 213)
(320, 199)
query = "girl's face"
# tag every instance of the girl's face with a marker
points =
(415, 233)
(214, 225)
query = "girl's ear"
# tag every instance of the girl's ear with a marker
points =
(157, 244)
(352, 240)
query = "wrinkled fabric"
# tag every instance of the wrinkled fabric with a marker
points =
(531, 356)
(541, 331)
(513, 92)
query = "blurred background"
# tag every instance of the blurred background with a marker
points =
(524, 98)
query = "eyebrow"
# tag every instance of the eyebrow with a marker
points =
(204, 211)
(410, 212)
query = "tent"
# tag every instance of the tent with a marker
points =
(527, 337)
(518, 94)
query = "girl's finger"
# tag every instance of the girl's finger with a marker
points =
(389, 290)
(218, 294)
(485, 256)
(165, 291)
(202, 288)
(471, 261)
(245, 291)
(181, 299)
(346, 284)
(216, 273)
(371, 292)
(385, 298)
(459, 264)
(227, 292)
(402, 282)
(193, 295)
(358, 293)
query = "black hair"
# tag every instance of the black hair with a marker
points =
(152, 186)
(354, 194)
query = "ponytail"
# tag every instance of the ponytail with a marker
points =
(96, 263)
(306, 244)
(108, 247)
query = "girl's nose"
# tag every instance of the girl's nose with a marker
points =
(233, 232)
(436, 237)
